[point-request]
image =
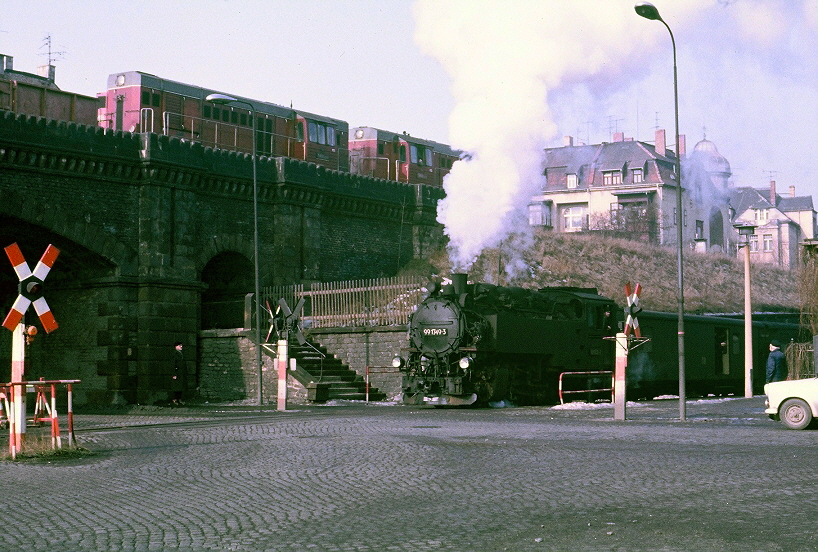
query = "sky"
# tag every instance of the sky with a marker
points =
(501, 79)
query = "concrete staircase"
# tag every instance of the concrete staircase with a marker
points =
(322, 367)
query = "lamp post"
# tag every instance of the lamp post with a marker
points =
(747, 230)
(649, 11)
(223, 99)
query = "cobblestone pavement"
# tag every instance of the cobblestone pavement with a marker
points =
(358, 477)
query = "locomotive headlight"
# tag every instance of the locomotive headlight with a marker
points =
(398, 362)
(465, 363)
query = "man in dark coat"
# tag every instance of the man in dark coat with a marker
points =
(178, 377)
(776, 363)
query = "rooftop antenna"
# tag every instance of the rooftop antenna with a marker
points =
(52, 55)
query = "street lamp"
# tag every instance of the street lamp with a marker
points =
(224, 99)
(649, 11)
(747, 230)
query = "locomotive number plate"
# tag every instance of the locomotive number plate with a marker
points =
(435, 331)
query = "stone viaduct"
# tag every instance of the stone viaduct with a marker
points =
(156, 237)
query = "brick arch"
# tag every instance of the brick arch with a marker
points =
(222, 244)
(88, 235)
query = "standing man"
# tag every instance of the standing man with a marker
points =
(179, 375)
(776, 363)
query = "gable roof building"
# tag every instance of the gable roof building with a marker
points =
(627, 188)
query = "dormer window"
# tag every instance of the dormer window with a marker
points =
(636, 175)
(612, 178)
(762, 215)
(571, 181)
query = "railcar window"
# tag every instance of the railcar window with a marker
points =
(313, 132)
(217, 113)
(403, 154)
(206, 112)
(146, 97)
(299, 132)
(380, 148)
(428, 157)
(225, 115)
(234, 117)
(156, 100)
(331, 136)
(322, 134)
(413, 154)
(243, 119)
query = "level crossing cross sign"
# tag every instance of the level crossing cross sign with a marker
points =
(633, 308)
(31, 288)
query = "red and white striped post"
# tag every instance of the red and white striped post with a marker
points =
(71, 441)
(619, 376)
(17, 412)
(282, 360)
(56, 441)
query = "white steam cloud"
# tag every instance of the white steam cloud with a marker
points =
(508, 58)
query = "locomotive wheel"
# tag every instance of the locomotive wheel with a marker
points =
(795, 414)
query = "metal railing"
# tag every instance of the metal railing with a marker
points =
(587, 375)
(352, 303)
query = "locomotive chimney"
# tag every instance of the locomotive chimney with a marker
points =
(459, 282)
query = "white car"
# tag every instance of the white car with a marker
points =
(793, 402)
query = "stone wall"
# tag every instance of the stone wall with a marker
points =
(368, 346)
(226, 362)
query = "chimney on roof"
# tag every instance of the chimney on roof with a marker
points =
(619, 137)
(682, 146)
(792, 191)
(8, 62)
(772, 192)
(47, 71)
(659, 144)
(569, 141)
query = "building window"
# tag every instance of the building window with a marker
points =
(767, 242)
(574, 218)
(571, 181)
(539, 214)
(611, 178)
(754, 244)
(636, 174)
(762, 215)
(699, 229)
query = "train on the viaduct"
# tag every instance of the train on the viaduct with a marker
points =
(138, 102)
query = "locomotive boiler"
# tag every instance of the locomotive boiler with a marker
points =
(479, 343)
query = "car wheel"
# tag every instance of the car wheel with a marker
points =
(795, 414)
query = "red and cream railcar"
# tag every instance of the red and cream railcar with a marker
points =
(141, 102)
(400, 157)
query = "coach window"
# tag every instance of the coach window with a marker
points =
(243, 119)
(428, 157)
(402, 154)
(217, 113)
(299, 131)
(234, 117)
(225, 116)
(331, 136)
(380, 148)
(312, 132)
(156, 100)
(206, 112)
(146, 98)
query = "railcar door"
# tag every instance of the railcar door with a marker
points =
(722, 352)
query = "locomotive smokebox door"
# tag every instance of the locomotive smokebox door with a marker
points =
(437, 326)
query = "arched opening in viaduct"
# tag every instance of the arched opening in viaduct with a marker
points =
(228, 277)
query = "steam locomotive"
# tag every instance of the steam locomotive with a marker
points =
(479, 343)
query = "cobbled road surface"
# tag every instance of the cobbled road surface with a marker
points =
(380, 477)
